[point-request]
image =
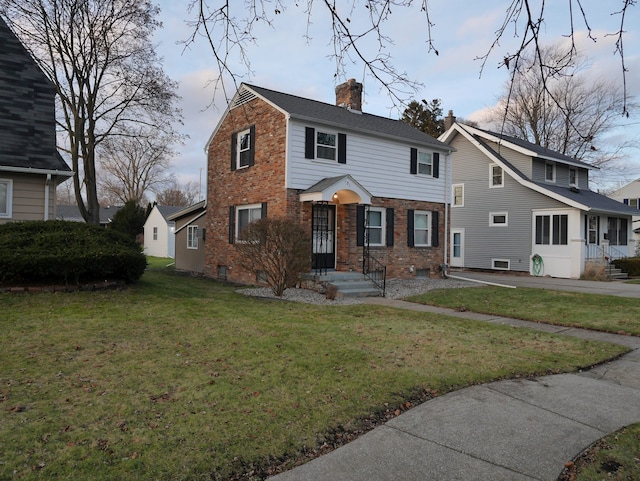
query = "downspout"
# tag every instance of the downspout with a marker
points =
(447, 193)
(47, 188)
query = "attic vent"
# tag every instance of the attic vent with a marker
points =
(243, 97)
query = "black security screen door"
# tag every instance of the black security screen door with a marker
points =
(323, 236)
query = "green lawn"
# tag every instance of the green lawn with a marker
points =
(160, 262)
(598, 312)
(180, 378)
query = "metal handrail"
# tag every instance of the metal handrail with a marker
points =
(375, 271)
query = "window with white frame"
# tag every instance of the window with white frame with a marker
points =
(192, 237)
(573, 177)
(326, 147)
(501, 264)
(375, 226)
(632, 203)
(592, 229)
(155, 233)
(552, 229)
(499, 219)
(425, 163)
(458, 195)
(550, 172)
(245, 215)
(497, 176)
(6, 194)
(243, 148)
(422, 228)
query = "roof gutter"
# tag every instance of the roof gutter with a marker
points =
(30, 170)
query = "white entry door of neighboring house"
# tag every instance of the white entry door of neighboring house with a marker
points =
(457, 248)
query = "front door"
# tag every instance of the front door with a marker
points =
(457, 248)
(323, 229)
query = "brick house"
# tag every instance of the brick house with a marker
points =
(359, 182)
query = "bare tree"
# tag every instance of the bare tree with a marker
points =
(135, 164)
(355, 25)
(99, 55)
(569, 112)
(180, 195)
(65, 194)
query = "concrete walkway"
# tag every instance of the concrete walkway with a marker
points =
(514, 430)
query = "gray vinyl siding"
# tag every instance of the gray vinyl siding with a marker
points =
(518, 160)
(562, 174)
(483, 242)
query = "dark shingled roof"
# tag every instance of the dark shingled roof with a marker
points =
(168, 210)
(539, 150)
(341, 117)
(27, 110)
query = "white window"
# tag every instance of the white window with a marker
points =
(422, 228)
(155, 233)
(375, 226)
(552, 229)
(192, 237)
(6, 195)
(592, 229)
(245, 215)
(573, 177)
(631, 202)
(326, 146)
(243, 148)
(458, 195)
(425, 163)
(550, 172)
(499, 219)
(501, 264)
(496, 176)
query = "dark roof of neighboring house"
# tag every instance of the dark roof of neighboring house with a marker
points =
(72, 213)
(167, 210)
(198, 207)
(313, 110)
(597, 202)
(27, 111)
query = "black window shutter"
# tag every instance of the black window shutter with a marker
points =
(586, 229)
(342, 148)
(598, 233)
(360, 225)
(414, 161)
(410, 231)
(309, 143)
(252, 145)
(389, 236)
(434, 229)
(232, 223)
(436, 165)
(263, 212)
(234, 141)
(625, 201)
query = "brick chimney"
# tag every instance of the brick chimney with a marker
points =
(449, 120)
(349, 95)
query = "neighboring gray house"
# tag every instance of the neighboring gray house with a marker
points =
(159, 232)
(30, 166)
(190, 237)
(629, 194)
(519, 207)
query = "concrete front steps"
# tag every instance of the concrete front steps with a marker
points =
(615, 273)
(348, 284)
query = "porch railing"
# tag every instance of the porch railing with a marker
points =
(375, 271)
(604, 254)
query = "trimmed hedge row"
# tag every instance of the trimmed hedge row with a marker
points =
(66, 252)
(630, 265)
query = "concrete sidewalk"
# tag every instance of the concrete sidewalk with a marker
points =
(512, 430)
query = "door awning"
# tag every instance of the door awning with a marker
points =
(339, 190)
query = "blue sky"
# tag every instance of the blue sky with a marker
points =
(283, 59)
